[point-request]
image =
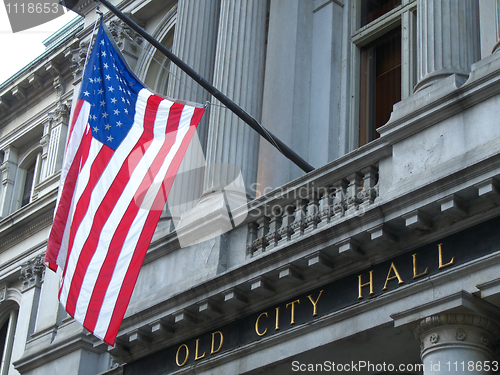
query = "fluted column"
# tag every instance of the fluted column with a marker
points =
(448, 39)
(456, 343)
(194, 42)
(239, 73)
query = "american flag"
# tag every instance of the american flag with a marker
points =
(124, 149)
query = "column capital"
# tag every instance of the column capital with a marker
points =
(32, 272)
(457, 331)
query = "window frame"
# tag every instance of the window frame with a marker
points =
(33, 155)
(403, 16)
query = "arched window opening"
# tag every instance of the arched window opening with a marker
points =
(158, 72)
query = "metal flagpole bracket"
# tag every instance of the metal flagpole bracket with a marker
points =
(232, 106)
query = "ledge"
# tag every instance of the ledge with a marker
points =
(438, 102)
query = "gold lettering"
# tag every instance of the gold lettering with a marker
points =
(220, 343)
(365, 284)
(196, 356)
(415, 276)
(292, 320)
(315, 302)
(277, 326)
(177, 355)
(440, 251)
(257, 325)
(396, 276)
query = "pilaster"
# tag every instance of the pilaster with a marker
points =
(53, 139)
(32, 273)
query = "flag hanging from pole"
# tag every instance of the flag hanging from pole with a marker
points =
(124, 149)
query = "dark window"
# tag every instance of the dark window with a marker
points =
(373, 9)
(380, 83)
(3, 336)
(28, 184)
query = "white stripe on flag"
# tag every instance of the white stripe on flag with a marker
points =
(101, 188)
(129, 246)
(117, 213)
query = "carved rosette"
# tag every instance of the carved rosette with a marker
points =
(32, 272)
(456, 330)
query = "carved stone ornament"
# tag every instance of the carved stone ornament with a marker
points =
(434, 338)
(32, 272)
(60, 114)
(460, 335)
(3, 292)
(78, 59)
(485, 340)
(127, 40)
(449, 330)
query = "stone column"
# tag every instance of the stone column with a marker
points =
(456, 343)
(194, 42)
(448, 39)
(239, 74)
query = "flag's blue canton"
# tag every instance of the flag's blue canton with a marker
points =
(112, 92)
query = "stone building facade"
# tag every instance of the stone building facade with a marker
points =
(384, 259)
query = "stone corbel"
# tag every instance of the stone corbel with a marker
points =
(53, 69)
(4, 105)
(59, 85)
(35, 80)
(127, 40)
(60, 115)
(32, 272)
(19, 93)
(78, 59)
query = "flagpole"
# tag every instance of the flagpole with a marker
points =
(235, 108)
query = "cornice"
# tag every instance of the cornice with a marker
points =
(28, 220)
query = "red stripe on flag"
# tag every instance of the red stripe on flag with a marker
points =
(122, 231)
(99, 164)
(135, 265)
(64, 203)
(76, 113)
(107, 205)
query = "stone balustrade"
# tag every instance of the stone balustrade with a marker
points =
(311, 207)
